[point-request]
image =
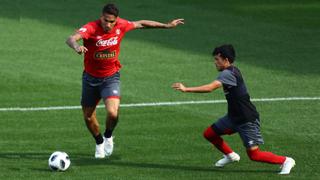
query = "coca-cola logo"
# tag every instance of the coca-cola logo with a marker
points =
(108, 42)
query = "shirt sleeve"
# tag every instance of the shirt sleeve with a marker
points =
(86, 31)
(128, 26)
(226, 77)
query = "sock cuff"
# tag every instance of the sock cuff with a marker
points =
(98, 139)
(107, 133)
(209, 133)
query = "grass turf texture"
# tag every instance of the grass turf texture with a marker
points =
(277, 46)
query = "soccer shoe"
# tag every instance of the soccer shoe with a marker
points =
(229, 158)
(108, 146)
(288, 164)
(99, 151)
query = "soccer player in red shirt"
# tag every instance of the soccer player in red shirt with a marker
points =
(242, 116)
(101, 77)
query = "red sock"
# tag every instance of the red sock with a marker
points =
(217, 141)
(263, 156)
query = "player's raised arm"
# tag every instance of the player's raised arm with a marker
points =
(72, 43)
(154, 24)
(199, 89)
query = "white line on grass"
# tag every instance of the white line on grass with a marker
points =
(158, 104)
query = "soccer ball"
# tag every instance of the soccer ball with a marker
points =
(59, 161)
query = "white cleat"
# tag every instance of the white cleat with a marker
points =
(229, 158)
(288, 164)
(99, 151)
(108, 146)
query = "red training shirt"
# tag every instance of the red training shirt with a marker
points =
(101, 60)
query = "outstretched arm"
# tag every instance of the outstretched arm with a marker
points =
(199, 89)
(72, 43)
(154, 24)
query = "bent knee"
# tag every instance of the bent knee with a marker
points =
(89, 116)
(253, 154)
(209, 134)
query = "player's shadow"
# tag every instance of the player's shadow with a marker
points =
(81, 159)
(44, 155)
(21, 155)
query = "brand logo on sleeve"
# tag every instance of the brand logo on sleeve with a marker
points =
(108, 42)
(83, 29)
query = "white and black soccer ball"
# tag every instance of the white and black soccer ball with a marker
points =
(59, 161)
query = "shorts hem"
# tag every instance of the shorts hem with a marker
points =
(113, 97)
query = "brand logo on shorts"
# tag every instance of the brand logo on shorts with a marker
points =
(250, 142)
(108, 42)
(103, 55)
(115, 92)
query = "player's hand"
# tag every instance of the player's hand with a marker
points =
(175, 23)
(81, 49)
(179, 87)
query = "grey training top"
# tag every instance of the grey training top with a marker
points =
(227, 78)
(240, 108)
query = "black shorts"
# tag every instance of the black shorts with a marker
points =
(93, 89)
(249, 131)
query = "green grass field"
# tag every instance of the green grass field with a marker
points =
(277, 44)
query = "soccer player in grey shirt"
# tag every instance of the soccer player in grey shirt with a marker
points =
(242, 116)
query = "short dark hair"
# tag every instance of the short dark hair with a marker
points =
(110, 9)
(225, 51)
